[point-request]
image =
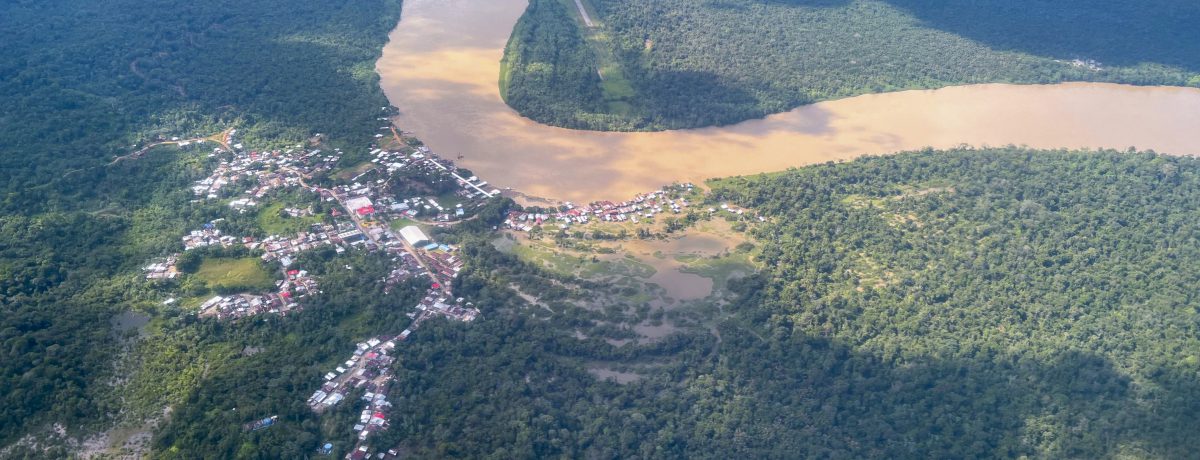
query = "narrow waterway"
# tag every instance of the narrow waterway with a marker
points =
(442, 66)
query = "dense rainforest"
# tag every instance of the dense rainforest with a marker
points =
(83, 82)
(682, 64)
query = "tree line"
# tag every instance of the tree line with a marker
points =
(696, 64)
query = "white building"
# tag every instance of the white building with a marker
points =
(413, 235)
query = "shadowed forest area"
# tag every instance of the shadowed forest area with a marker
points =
(718, 62)
(82, 82)
(85, 81)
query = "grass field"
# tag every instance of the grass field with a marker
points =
(271, 221)
(582, 265)
(449, 201)
(618, 91)
(245, 274)
(349, 173)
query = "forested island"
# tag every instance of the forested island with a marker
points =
(649, 66)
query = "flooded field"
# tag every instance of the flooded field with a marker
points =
(685, 268)
(669, 259)
(679, 285)
(442, 67)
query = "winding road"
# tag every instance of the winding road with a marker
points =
(220, 138)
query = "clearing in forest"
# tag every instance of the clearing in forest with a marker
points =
(245, 273)
(617, 89)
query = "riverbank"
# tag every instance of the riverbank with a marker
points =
(442, 63)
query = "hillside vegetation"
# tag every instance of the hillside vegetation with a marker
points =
(81, 82)
(699, 63)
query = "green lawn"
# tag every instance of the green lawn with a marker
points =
(448, 201)
(271, 220)
(582, 265)
(402, 222)
(346, 174)
(227, 275)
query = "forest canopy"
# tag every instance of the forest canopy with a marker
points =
(83, 82)
(674, 64)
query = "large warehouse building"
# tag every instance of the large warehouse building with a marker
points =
(413, 235)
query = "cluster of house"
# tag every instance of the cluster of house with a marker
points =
(667, 199)
(436, 303)
(210, 235)
(1090, 64)
(374, 210)
(243, 305)
(424, 160)
(393, 160)
(404, 266)
(163, 269)
(243, 169)
(443, 260)
(296, 285)
(365, 202)
(413, 206)
(285, 248)
(262, 172)
(671, 199)
(474, 187)
(369, 369)
(362, 454)
(732, 209)
(299, 212)
(243, 204)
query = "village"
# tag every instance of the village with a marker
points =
(643, 209)
(246, 178)
(369, 370)
(364, 214)
(643, 206)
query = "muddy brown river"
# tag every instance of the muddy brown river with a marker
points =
(442, 66)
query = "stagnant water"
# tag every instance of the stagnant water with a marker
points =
(442, 67)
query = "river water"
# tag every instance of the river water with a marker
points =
(442, 66)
